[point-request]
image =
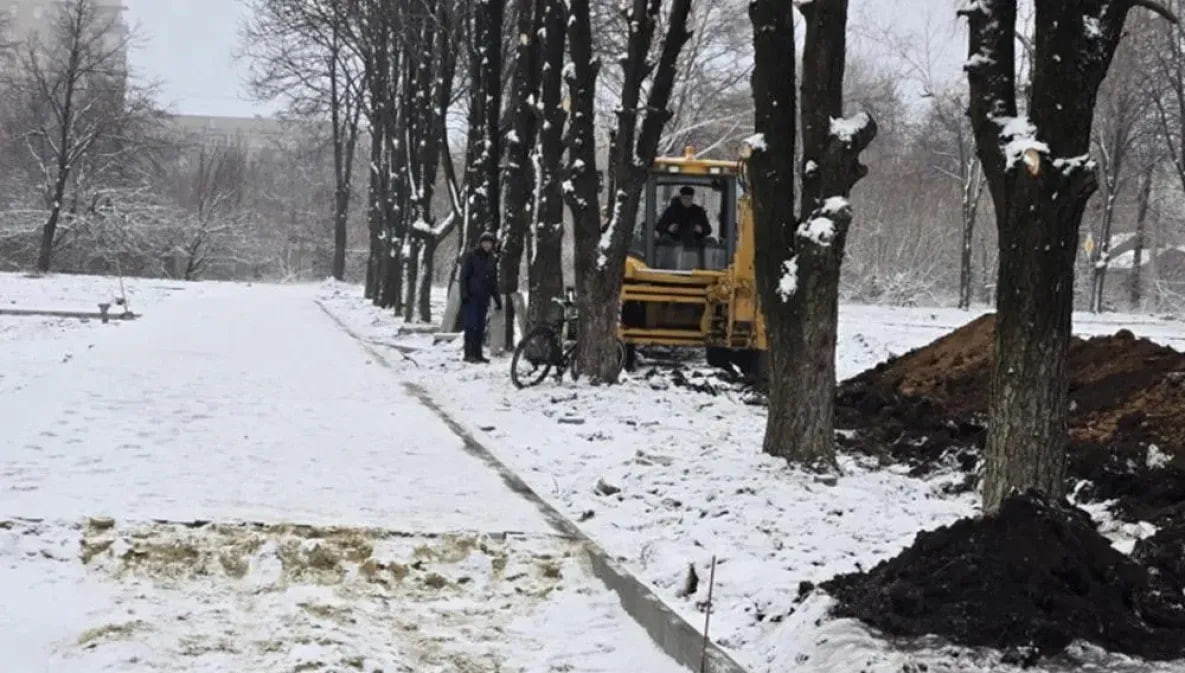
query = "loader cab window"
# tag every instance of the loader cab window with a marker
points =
(688, 222)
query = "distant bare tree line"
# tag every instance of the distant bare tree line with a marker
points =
(94, 177)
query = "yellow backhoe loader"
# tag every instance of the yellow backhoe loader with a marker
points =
(685, 289)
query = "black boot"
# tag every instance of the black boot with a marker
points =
(478, 343)
(469, 357)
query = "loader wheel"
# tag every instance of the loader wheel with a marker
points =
(631, 357)
(754, 364)
(720, 358)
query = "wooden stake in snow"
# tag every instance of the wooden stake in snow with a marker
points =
(703, 660)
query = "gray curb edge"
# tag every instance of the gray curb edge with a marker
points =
(670, 632)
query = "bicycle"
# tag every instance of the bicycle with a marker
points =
(551, 346)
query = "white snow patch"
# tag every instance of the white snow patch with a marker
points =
(979, 59)
(1019, 135)
(834, 205)
(756, 142)
(788, 284)
(1069, 164)
(1092, 26)
(818, 230)
(1157, 458)
(846, 129)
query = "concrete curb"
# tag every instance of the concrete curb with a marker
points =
(670, 632)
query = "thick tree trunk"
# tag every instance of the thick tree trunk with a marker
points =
(1029, 403)
(601, 251)
(801, 428)
(771, 173)
(1145, 197)
(1040, 183)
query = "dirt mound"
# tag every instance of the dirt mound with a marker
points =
(1032, 578)
(953, 371)
(1127, 421)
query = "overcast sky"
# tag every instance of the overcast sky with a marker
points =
(189, 45)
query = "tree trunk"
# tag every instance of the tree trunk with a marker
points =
(412, 268)
(972, 189)
(427, 269)
(1029, 402)
(771, 172)
(49, 231)
(546, 261)
(341, 214)
(1040, 184)
(1102, 260)
(484, 115)
(601, 251)
(520, 176)
(804, 274)
(374, 45)
(1145, 197)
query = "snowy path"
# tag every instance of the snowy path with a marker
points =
(240, 405)
(229, 484)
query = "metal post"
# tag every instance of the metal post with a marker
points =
(703, 661)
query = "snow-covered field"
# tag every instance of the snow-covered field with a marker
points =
(694, 484)
(230, 483)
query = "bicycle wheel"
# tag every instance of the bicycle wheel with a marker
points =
(535, 355)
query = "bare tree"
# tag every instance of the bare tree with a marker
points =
(300, 53)
(1040, 179)
(1122, 117)
(798, 268)
(80, 108)
(602, 238)
(1144, 199)
(210, 194)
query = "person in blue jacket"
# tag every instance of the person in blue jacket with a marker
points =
(479, 284)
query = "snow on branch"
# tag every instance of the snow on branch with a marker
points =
(788, 284)
(1019, 138)
(1068, 165)
(818, 230)
(847, 129)
(970, 7)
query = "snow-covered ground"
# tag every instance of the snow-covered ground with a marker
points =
(694, 484)
(229, 483)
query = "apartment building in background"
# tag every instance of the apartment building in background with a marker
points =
(24, 22)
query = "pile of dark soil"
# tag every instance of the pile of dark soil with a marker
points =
(928, 408)
(1030, 579)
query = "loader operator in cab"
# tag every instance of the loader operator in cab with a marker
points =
(683, 220)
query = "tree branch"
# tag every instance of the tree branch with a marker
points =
(1156, 7)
